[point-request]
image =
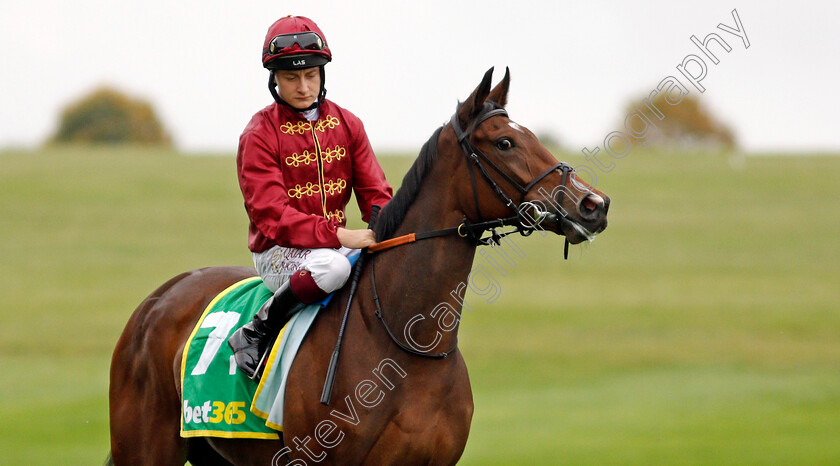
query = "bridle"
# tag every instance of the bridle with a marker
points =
(468, 229)
(476, 157)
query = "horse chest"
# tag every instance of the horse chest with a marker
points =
(397, 413)
(417, 435)
(429, 425)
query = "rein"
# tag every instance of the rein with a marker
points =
(466, 229)
(401, 345)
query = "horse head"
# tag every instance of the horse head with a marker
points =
(512, 173)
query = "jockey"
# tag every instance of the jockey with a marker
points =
(297, 162)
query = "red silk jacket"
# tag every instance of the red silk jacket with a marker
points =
(296, 176)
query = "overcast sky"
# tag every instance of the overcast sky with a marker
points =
(402, 66)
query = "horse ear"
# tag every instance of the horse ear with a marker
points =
(500, 92)
(475, 102)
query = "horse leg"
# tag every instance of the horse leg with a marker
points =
(145, 431)
(145, 414)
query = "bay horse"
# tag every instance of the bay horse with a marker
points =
(390, 404)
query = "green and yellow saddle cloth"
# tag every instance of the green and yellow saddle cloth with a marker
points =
(217, 399)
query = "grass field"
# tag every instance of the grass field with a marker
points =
(703, 327)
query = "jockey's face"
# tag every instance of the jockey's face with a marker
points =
(299, 88)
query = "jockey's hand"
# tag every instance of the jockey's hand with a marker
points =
(355, 239)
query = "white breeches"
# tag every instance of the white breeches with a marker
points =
(330, 268)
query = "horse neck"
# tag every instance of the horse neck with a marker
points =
(418, 278)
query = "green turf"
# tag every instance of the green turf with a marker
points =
(703, 327)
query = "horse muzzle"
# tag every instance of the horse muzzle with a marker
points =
(587, 221)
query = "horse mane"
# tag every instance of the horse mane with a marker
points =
(393, 214)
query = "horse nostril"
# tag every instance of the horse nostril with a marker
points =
(590, 205)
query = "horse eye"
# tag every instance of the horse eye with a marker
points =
(504, 144)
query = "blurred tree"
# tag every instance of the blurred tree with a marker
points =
(684, 124)
(109, 116)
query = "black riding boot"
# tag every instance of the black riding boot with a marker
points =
(250, 344)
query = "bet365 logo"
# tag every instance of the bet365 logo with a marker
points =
(214, 412)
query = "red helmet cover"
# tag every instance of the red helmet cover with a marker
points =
(291, 25)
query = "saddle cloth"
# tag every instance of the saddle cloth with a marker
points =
(217, 399)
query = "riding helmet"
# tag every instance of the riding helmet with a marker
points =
(295, 42)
